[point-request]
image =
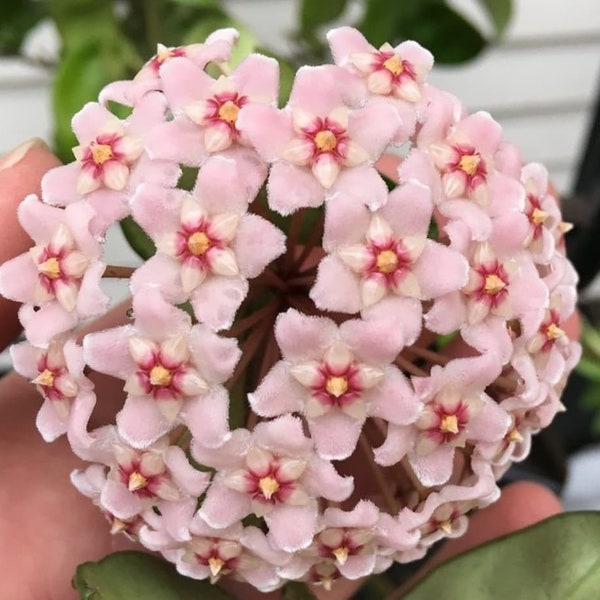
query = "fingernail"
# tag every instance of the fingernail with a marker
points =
(16, 155)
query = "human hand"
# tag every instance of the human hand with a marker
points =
(47, 528)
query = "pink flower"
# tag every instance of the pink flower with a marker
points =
(60, 274)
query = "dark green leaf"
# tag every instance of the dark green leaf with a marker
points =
(136, 237)
(316, 12)
(589, 369)
(297, 590)
(558, 559)
(199, 3)
(17, 17)
(136, 575)
(499, 12)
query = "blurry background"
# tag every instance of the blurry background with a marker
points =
(540, 79)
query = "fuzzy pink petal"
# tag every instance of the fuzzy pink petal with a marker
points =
(184, 82)
(504, 194)
(346, 221)
(19, 279)
(447, 314)
(163, 272)
(283, 435)
(257, 76)
(81, 410)
(92, 120)
(397, 444)
(364, 184)
(403, 314)
(509, 232)
(42, 325)
(409, 210)
(267, 128)
(476, 372)
(156, 318)
(434, 468)
(24, 360)
(91, 300)
(336, 288)
(394, 399)
(214, 356)
(290, 187)
(490, 424)
(359, 565)
(207, 417)
(278, 393)
(118, 500)
(302, 337)
(38, 219)
(292, 528)
(372, 341)
(140, 421)
(374, 126)
(471, 214)
(179, 140)
(156, 209)
(321, 479)
(335, 434)
(482, 131)
(216, 301)
(187, 478)
(257, 243)
(345, 41)
(490, 335)
(108, 352)
(440, 270)
(223, 506)
(49, 423)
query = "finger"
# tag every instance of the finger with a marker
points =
(20, 174)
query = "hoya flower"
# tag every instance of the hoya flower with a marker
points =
(317, 144)
(110, 160)
(272, 473)
(60, 275)
(209, 245)
(386, 252)
(335, 377)
(58, 373)
(205, 110)
(216, 48)
(173, 372)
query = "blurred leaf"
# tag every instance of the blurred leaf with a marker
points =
(297, 590)
(137, 238)
(17, 17)
(199, 3)
(590, 338)
(133, 575)
(316, 12)
(589, 369)
(499, 12)
(556, 559)
(435, 25)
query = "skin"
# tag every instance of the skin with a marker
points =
(47, 528)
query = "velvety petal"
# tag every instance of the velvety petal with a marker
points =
(179, 140)
(184, 82)
(345, 41)
(398, 442)
(403, 314)
(47, 322)
(409, 209)
(374, 126)
(156, 318)
(434, 468)
(223, 506)
(278, 393)
(140, 422)
(214, 356)
(291, 528)
(505, 194)
(394, 399)
(49, 423)
(471, 214)
(321, 479)
(91, 300)
(19, 279)
(346, 221)
(359, 565)
(108, 352)
(336, 288)
(59, 185)
(157, 209)
(481, 129)
(364, 184)
(257, 77)
(283, 435)
(372, 341)
(290, 188)
(118, 500)
(302, 338)
(335, 434)
(187, 478)
(490, 424)
(267, 128)
(163, 272)
(216, 301)
(440, 270)
(207, 417)
(447, 314)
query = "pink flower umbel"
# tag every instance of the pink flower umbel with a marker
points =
(289, 410)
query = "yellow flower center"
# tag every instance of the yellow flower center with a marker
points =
(341, 554)
(336, 386)
(538, 216)
(228, 111)
(387, 261)
(198, 243)
(394, 65)
(45, 378)
(101, 153)
(514, 435)
(50, 268)
(449, 424)
(446, 526)
(160, 376)
(136, 482)
(268, 486)
(164, 54)
(553, 331)
(493, 284)
(469, 163)
(215, 564)
(325, 140)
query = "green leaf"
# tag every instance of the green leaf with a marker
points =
(297, 590)
(133, 575)
(316, 12)
(589, 369)
(17, 17)
(199, 3)
(499, 12)
(590, 338)
(137, 238)
(558, 559)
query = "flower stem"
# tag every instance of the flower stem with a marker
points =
(117, 272)
(379, 475)
(409, 367)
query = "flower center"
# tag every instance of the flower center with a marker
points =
(215, 564)
(50, 268)
(553, 331)
(341, 554)
(387, 261)
(160, 376)
(446, 526)
(493, 284)
(45, 378)
(164, 54)
(228, 111)
(325, 140)
(449, 424)
(268, 486)
(514, 435)
(538, 216)
(469, 163)
(136, 482)
(394, 65)
(101, 153)
(336, 386)
(198, 243)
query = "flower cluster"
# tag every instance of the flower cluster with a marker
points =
(287, 412)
